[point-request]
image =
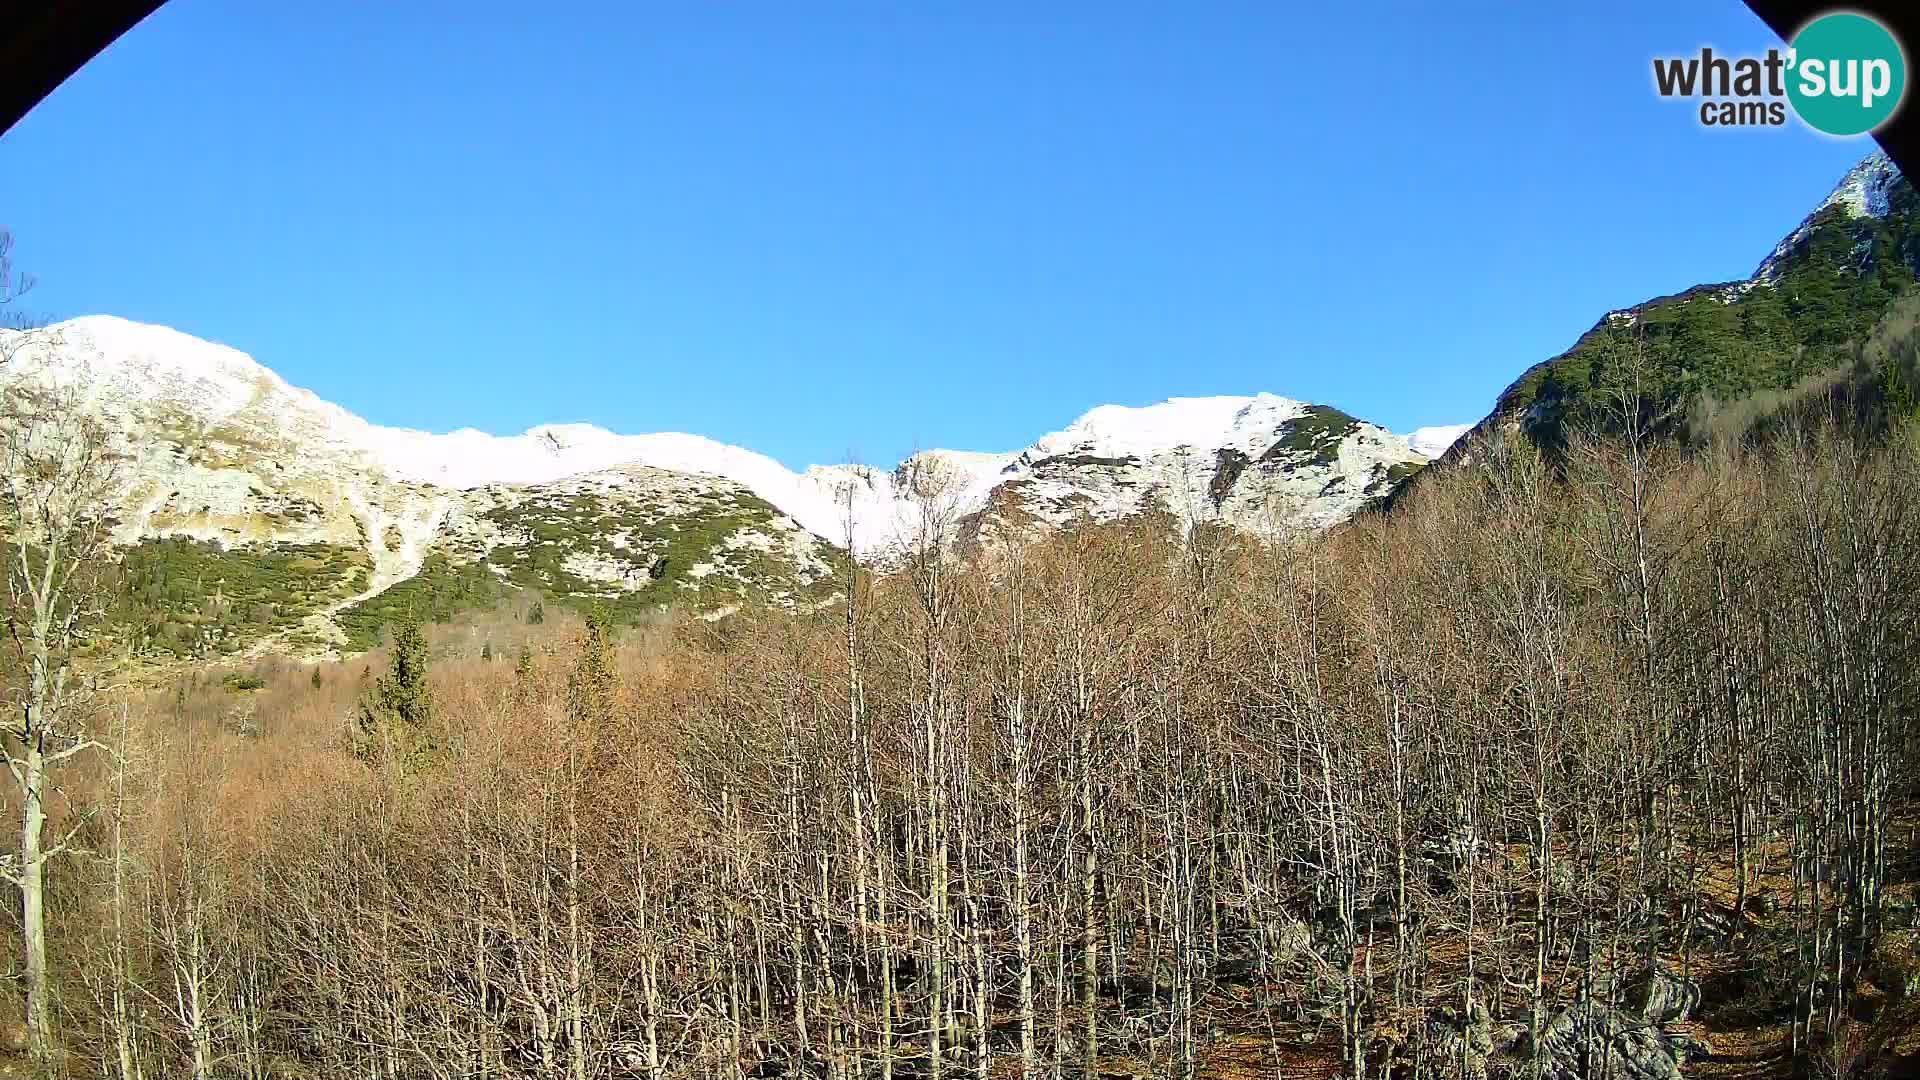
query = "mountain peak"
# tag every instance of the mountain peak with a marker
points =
(1724, 353)
(120, 360)
(114, 340)
(1865, 191)
(1196, 422)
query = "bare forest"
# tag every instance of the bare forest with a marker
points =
(1593, 768)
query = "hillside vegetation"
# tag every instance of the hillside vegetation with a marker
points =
(1730, 342)
(1716, 361)
(181, 598)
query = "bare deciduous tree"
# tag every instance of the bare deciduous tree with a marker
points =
(61, 477)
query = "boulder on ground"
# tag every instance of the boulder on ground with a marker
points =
(1894, 965)
(1661, 996)
(1590, 1039)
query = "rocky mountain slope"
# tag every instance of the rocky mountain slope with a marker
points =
(1265, 464)
(1703, 358)
(258, 512)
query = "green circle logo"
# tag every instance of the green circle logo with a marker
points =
(1847, 74)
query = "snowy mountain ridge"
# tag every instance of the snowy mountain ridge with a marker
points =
(143, 371)
(226, 456)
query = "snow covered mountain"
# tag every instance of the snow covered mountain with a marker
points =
(1265, 464)
(227, 455)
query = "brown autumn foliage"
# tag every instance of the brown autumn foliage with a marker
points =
(1420, 797)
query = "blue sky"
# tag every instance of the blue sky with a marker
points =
(832, 228)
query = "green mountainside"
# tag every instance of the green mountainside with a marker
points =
(1707, 362)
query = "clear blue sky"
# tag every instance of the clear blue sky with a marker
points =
(821, 227)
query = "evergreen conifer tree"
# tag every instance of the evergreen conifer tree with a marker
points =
(397, 713)
(590, 686)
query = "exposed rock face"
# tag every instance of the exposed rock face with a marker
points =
(1867, 191)
(1662, 996)
(222, 451)
(1264, 464)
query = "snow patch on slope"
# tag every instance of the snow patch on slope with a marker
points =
(1198, 423)
(1435, 440)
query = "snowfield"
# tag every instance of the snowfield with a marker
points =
(1434, 441)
